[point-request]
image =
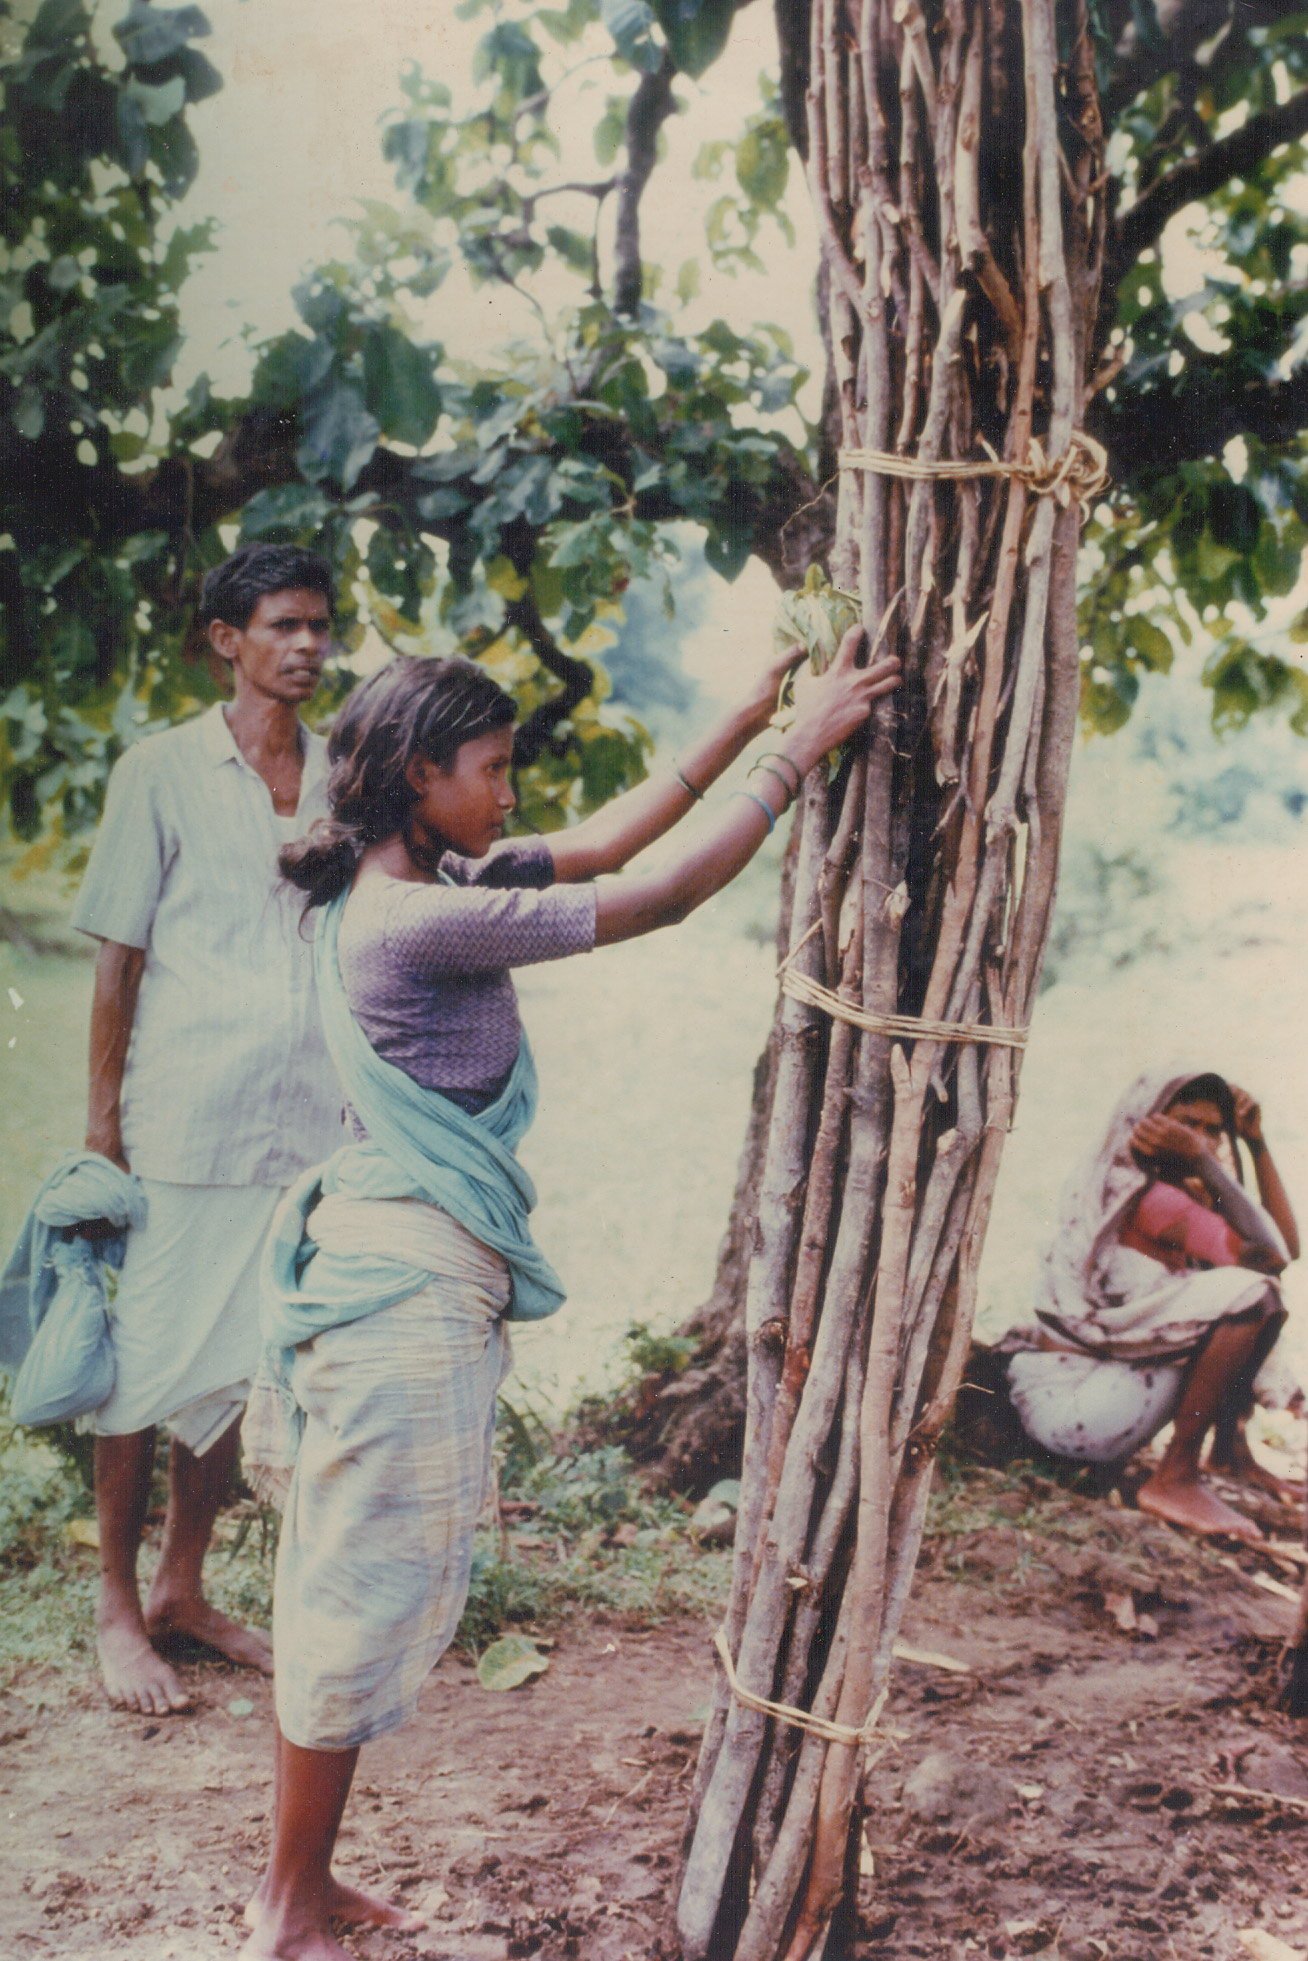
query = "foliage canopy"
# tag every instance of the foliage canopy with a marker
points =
(505, 510)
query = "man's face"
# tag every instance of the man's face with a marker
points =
(280, 653)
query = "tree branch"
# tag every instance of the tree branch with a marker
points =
(792, 18)
(649, 108)
(1237, 155)
(575, 676)
(1183, 27)
(1196, 417)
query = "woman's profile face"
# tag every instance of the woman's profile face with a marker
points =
(467, 804)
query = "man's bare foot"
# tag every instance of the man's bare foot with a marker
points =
(193, 1617)
(1195, 1508)
(135, 1677)
(353, 1908)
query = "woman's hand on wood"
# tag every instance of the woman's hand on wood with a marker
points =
(833, 705)
(760, 703)
(1161, 1137)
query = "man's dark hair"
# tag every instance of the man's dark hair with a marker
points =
(233, 589)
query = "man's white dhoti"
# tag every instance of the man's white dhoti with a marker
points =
(375, 1554)
(185, 1317)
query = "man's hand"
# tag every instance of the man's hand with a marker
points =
(1248, 1118)
(108, 1147)
(1157, 1138)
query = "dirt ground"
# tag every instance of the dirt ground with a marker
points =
(1070, 1795)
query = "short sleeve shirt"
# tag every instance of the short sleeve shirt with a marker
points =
(227, 1080)
(426, 966)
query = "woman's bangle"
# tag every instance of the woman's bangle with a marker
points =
(689, 788)
(779, 756)
(763, 805)
(786, 790)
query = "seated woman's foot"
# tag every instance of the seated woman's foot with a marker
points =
(134, 1676)
(1239, 1462)
(1195, 1508)
(192, 1618)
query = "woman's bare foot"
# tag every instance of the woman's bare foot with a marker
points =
(274, 1939)
(134, 1676)
(353, 1908)
(193, 1617)
(1192, 1506)
(1239, 1462)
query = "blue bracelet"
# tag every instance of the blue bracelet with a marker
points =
(763, 805)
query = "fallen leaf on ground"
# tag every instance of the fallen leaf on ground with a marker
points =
(83, 1532)
(510, 1661)
(1268, 1947)
(1121, 1608)
(931, 1658)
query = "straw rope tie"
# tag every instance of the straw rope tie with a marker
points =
(911, 1028)
(1080, 472)
(786, 1712)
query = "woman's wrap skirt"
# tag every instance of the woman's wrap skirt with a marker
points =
(375, 1554)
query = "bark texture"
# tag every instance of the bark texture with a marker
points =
(954, 154)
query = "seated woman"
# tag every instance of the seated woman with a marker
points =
(1157, 1300)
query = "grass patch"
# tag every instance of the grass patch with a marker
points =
(567, 1530)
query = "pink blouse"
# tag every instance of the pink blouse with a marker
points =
(1168, 1225)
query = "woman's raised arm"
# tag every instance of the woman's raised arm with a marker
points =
(613, 836)
(721, 845)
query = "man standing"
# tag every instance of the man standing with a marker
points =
(209, 1078)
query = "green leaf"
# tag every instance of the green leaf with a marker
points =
(611, 130)
(631, 22)
(763, 162)
(1151, 643)
(158, 105)
(29, 413)
(295, 508)
(399, 385)
(728, 553)
(149, 35)
(339, 436)
(697, 30)
(509, 1662)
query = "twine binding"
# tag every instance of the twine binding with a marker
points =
(786, 1712)
(912, 1028)
(1080, 472)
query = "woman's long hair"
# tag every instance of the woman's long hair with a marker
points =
(414, 706)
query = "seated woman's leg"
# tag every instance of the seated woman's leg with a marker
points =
(1220, 1374)
(1088, 1410)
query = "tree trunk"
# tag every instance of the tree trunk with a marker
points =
(955, 163)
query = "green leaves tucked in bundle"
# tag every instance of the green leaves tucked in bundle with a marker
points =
(816, 616)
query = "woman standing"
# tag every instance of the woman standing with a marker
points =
(1157, 1300)
(393, 1267)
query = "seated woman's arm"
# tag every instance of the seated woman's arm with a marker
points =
(1272, 1193)
(1174, 1147)
(724, 841)
(613, 836)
